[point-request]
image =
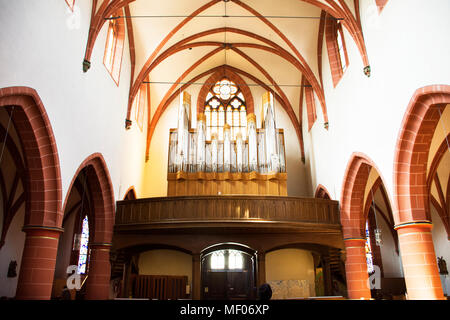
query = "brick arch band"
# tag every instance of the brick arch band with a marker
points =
(101, 191)
(411, 193)
(217, 76)
(414, 140)
(322, 193)
(43, 217)
(352, 220)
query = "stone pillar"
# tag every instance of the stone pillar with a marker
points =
(356, 269)
(327, 280)
(419, 261)
(196, 277)
(261, 268)
(37, 268)
(99, 273)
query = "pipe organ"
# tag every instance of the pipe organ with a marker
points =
(254, 162)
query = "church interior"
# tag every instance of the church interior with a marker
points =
(199, 149)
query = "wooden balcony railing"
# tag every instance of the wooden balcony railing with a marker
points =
(175, 212)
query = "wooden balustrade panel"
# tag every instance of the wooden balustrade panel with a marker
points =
(227, 208)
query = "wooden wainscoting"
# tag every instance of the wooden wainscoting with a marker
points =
(159, 287)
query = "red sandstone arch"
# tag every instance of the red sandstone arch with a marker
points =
(413, 144)
(40, 152)
(410, 191)
(43, 216)
(130, 194)
(102, 195)
(218, 75)
(322, 192)
(352, 220)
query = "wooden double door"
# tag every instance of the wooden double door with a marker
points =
(229, 284)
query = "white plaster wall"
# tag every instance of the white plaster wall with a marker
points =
(45, 49)
(407, 50)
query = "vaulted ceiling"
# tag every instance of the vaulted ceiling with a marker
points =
(275, 42)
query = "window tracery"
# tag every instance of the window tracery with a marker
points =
(225, 104)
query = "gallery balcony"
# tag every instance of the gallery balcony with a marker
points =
(225, 213)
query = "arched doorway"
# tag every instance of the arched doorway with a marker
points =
(228, 272)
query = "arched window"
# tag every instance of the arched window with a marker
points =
(341, 47)
(218, 260)
(227, 259)
(84, 242)
(235, 259)
(112, 58)
(225, 103)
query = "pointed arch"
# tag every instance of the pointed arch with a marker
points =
(218, 75)
(413, 144)
(102, 222)
(43, 217)
(272, 47)
(130, 194)
(322, 192)
(40, 153)
(170, 96)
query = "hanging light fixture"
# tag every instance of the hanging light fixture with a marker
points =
(378, 239)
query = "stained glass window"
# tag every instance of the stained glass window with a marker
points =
(225, 103)
(84, 242)
(369, 256)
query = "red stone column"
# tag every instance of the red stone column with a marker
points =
(356, 269)
(37, 268)
(419, 261)
(99, 273)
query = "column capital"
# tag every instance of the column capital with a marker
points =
(354, 242)
(36, 228)
(103, 246)
(417, 224)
